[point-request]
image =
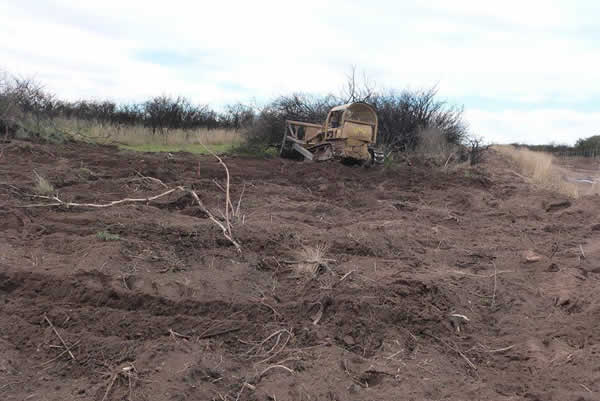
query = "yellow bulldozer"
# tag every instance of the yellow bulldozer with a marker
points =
(349, 133)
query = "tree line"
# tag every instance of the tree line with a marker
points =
(587, 147)
(402, 114)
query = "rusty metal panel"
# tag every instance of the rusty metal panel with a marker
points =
(360, 132)
(311, 132)
(356, 149)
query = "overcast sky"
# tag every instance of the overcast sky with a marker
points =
(525, 70)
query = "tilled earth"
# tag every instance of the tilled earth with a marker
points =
(396, 283)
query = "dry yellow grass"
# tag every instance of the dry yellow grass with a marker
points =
(540, 168)
(139, 135)
(42, 185)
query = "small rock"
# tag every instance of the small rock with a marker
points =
(553, 206)
(553, 268)
(349, 340)
(563, 300)
(354, 388)
(531, 257)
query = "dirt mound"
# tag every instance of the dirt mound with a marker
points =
(416, 287)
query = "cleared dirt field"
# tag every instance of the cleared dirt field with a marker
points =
(154, 304)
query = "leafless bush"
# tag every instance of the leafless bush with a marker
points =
(357, 90)
(269, 124)
(476, 150)
(402, 115)
(26, 105)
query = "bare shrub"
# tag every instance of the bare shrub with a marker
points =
(269, 125)
(401, 115)
(476, 150)
(27, 108)
(404, 115)
(355, 89)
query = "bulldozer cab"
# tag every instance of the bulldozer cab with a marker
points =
(353, 120)
(334, 119)
(349, 132)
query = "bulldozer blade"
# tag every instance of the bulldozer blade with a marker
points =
(307, 155)
(323, 153)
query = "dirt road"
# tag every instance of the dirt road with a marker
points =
(466, 285)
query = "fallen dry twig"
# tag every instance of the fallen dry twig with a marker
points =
(260, 351)
(60, 202)
(175, 334)
(228, 203)
(455, 349)
(128, 371)
(495, 284)
(61, 354)
(60, 338)
(273, 367)
(500, 350)
(226, 230)
(207, 334)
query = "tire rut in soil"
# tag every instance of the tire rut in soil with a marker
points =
(105, 312)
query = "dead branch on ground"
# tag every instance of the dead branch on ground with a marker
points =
(455, 349)
(273, 367)
(76, 343)
(127, 372)
(60, 338)
(259, 350)
(228, 203)
(495, 284)
(60, 202)
(225, 227)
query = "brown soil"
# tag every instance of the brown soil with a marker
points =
(168, 310)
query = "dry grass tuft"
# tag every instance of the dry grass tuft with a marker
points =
(311, 260)
(42, 185)
(540, 168)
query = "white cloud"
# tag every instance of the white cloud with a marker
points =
(529, 52)
(534, 127)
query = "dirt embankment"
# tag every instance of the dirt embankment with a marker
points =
(433, 286)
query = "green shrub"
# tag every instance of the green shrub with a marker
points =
(106, 236)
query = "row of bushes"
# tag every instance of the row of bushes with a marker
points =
(20, 98)
(403, 115)
(587, 147)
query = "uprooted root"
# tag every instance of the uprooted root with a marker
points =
(271, 346)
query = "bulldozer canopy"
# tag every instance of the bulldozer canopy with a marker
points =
(358, 112)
